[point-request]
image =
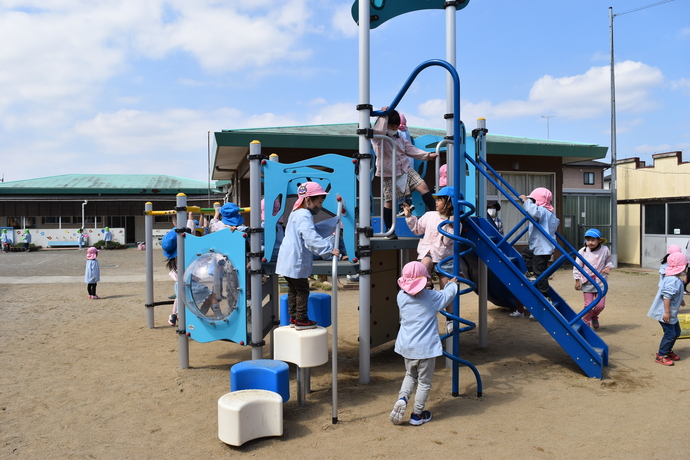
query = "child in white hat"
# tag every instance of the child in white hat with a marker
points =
(295, 258)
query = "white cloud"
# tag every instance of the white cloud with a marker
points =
(682, 84)
(61, 52)
(662, 148)
(342, 21)
(581, 96)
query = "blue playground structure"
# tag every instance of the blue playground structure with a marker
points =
(231, 291)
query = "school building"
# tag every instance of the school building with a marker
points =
(52, 207)
(653, 207)
(525, 163)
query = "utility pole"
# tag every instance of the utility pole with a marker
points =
(614, 184)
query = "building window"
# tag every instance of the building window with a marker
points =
(50, 220)
(589, 178)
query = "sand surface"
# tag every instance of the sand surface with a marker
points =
(86, 378)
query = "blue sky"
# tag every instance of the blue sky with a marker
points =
(134, 86)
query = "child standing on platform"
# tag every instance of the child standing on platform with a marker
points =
(418, 339)
(668, 299)
(295, 258)
(92, 274)
(599, 257)
(538, 252)
(401, 182)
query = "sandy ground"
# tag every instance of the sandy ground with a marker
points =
(87, 379)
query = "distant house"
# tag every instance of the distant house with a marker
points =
(107, 200)
(586, 200)
(653, 207)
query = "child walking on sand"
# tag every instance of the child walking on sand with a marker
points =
(295, 258)
(599, 257)
(92, 274)
(538, 252)
(418, 339)
(668, 299)
(434, 247)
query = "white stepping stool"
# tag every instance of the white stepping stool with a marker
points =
(306, 348)
(249, 414)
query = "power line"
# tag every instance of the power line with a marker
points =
(643, 7)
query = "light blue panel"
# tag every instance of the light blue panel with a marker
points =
(234, 327)
(335, 173)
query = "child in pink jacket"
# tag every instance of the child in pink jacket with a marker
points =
(434, 247)
(599, 257)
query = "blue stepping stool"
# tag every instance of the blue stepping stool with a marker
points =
(261, 374)
(318, 309)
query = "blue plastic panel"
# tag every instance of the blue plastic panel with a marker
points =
(233, 328)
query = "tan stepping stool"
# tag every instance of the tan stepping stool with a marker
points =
(306, 348)
(249, 414)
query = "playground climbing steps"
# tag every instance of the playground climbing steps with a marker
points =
(586, 348)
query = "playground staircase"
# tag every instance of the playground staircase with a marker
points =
(588, 350)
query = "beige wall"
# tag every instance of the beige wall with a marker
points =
(629, 233)
(666, 177)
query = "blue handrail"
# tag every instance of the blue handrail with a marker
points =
(566, 255)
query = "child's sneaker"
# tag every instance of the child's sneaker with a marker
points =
(595, 323)
(672, 356)
(420, 419)
(95, 297)
(90, 297)
(306, 324)
(292, 322)
(172, 319)
(449, 327)
(661, 359)
(517, 314)
(531, 276)
(398, 411)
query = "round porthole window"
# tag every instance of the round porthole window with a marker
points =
(212, 287)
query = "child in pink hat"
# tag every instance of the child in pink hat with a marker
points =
(667, 302)
(538, 252)
(92, 274)
(418, 339)
(295, 255)
(662, 268)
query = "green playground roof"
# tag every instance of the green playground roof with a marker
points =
(107, 184)
(232, 146)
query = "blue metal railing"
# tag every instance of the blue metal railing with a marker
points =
(566, 256)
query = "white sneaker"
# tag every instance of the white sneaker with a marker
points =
(531, 316)
(449, 327)
(398, 411)
(517, 314)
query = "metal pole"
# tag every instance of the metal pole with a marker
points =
(483, 285)
(255, 245)
(148, 241)
(364, 218)
(613, 186)
(182, 340)
(334, 318)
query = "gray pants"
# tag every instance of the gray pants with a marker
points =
(419, 372)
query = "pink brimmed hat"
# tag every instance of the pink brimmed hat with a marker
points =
(414, 277)
(307, 189)
(542, 197)
(676, 263)
(91, 253)
(673, 248)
